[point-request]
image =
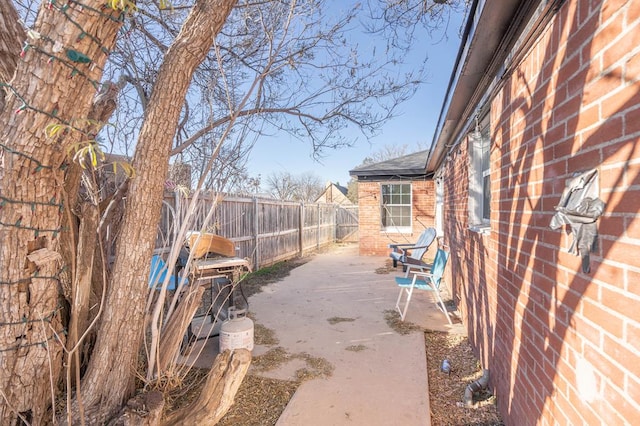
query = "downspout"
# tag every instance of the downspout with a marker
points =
(474, 387)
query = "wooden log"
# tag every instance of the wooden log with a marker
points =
(216, 397)
(176, 328)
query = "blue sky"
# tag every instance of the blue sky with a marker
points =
(415, 123)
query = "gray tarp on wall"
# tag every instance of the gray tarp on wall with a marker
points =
(580, 207)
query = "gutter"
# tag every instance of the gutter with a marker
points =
(492, 28)
(469, 29)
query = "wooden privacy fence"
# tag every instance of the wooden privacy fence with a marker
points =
(265, 231)
(347, 224)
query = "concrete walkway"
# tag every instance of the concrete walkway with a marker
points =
(333, 308)
(379, 376)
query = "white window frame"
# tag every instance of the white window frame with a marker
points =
(396, 228)
(479, 207)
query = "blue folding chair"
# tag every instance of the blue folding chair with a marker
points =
(429, 281)
(158, 274)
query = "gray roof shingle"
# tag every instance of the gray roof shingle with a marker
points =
(408, 165)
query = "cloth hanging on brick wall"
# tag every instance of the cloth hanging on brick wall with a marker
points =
(580, 207)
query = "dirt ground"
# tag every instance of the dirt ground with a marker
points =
(261, 401)
(446, 390)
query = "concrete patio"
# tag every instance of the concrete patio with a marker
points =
(333, 308)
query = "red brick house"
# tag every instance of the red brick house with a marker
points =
(543, 90)
(395, 202)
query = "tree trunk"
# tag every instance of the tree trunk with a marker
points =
(110, 376)
(80, 243)
(11, 37)
(53, 84)
(81, 287)
(218, 392)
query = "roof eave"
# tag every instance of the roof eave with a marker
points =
(405, 172)
(489, 21)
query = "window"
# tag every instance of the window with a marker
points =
(396, 207)
(479, 176)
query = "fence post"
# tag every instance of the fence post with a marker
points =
(301, 229)
(255, 235)
(318, 227)
(335, 222)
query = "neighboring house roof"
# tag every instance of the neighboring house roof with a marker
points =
(408, 166)
(492, 29)
(334, 193)
(342, 189)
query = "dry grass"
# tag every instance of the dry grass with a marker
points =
(263, 335)
(315, 367)
(336, 320)
(270, 360)
(392, 317)
(355, 348)
(188, 392)
(252, 283)
(387, 268)
(260, 401)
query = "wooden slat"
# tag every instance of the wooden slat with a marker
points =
(265, 231)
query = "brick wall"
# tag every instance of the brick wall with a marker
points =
(562, 346)
(374, 240)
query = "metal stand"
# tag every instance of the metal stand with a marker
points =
(220, 275)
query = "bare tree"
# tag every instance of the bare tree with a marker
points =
(353, 86)
(308, 188)
(352, 190)
(386, 152)
(305, 187)
(401, 21)
(246, 184)
(41, 122)
(255, 80)
(281, 185)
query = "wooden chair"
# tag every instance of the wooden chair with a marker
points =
(410, 255)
